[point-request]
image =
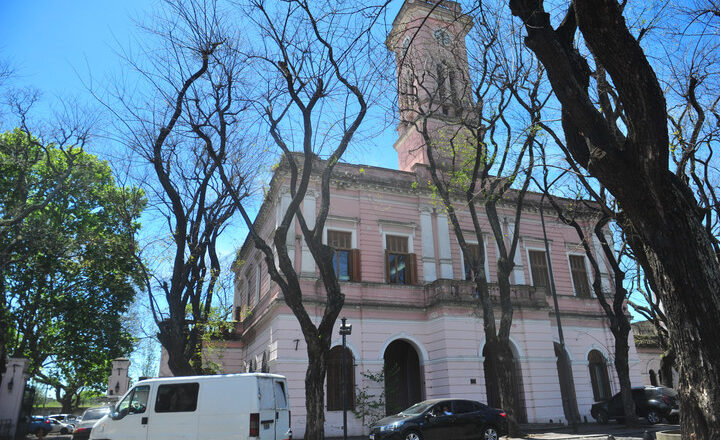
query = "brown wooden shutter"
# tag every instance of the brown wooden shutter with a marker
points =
(412, 262)
(355, 265)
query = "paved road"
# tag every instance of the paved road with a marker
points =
(586, 431)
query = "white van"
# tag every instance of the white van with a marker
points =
(223, 407)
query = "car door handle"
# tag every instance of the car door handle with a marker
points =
(144, 421)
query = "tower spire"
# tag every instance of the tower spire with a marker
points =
(428, 39)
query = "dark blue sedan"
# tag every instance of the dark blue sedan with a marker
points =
(442, 419)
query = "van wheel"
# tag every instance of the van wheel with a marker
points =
(490, 433)
(413, 435)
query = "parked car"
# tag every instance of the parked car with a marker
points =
(38, 425)
(653, 403)
(442, 419)
(89, 418)
(69, 419)
(61, 427)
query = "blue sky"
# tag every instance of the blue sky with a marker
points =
(50, 42)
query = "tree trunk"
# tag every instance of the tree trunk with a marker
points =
(172, 340)
(659, 212)
(315, 388)
(508, 390)
(67, 403)
(667, 362)
(688, 280)
(623, 371)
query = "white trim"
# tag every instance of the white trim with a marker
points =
(409, 338)
(353, 234)
(515, 344)
(486, 263)
(587, 272)
(529, 263)
(411, 244)
(602, 351)
(351, 347)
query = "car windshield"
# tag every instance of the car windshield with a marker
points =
(418, 408)
(94, 414)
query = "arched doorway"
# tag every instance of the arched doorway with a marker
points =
(402, 376)
(492, 389)
(567, 384)
(599, 376)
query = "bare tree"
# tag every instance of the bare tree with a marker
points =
(313, 103)
(660, 214)
(192, 46)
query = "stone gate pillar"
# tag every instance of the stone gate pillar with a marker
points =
(12, 389)
(119, 380)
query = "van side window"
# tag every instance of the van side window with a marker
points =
(135, 401)
(280, 398)
(177, 397)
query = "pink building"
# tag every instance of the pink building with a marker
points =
(406, 294)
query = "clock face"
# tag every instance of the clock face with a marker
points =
(442, 37)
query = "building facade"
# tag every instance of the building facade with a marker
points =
(413, 313)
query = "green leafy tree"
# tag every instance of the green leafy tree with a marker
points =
(71, 275)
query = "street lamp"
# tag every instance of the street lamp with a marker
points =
(345, 329)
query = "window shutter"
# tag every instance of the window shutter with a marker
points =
(412, 260)
(355, 265)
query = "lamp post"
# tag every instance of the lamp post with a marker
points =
(345, 329)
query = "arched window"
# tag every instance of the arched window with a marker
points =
(599, 376)
(334, 379)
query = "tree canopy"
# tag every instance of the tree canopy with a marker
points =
(71, 274)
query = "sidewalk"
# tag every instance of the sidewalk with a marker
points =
(592, 431)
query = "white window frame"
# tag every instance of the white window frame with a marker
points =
(352, 231)
(529, 266)
(587, 272)
(486, 263)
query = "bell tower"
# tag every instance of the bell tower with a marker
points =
(428, 40)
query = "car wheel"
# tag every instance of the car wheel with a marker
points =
(490, 433)
(413, 435)
(64, 431)
(602, 417)
(39, 433)
(653, 417)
